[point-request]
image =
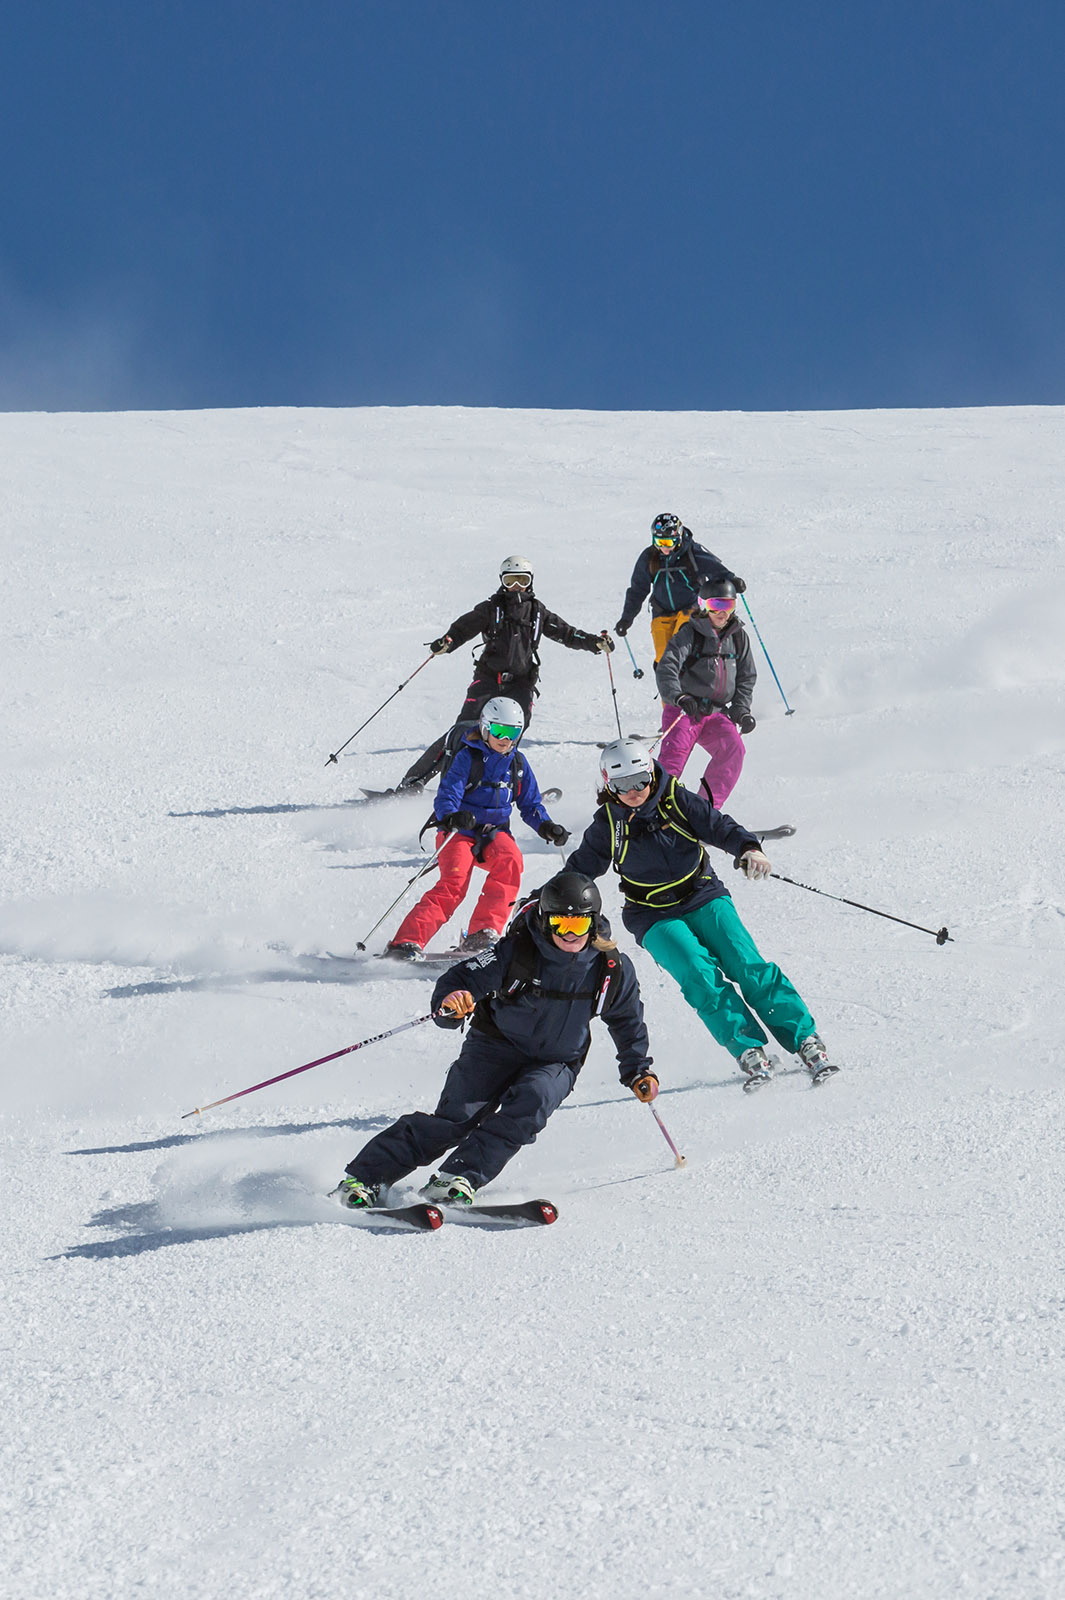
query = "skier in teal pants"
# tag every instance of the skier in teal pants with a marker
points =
(652, 831)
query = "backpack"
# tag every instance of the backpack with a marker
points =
(654, 896)
(522, 972)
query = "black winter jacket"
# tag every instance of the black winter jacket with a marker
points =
(512, 622)
(647, 849)
(717, 669)
(551, 1019)
(670, 580)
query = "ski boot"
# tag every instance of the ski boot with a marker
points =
(814, 1057)
(758, 1067)
(483, 939)
(354, 1195)
(405, 952)
(445, 1189)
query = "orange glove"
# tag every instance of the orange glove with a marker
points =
(459, 1003)
(645, 1087)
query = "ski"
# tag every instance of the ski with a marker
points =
(785, 831)
(425, 1218)
(390, 794)
(518, 1211)
(551, 794)
(644, 738)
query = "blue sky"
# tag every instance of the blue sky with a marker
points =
(614, 205)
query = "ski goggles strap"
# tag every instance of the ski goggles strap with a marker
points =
(577, 925)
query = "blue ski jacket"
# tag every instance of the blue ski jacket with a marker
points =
(549, 1018)
(657, 852)
(671, 580)
(504, 781)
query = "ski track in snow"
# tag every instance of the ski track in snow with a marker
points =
(824, 1360)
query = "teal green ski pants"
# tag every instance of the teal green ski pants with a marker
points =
(711, 955)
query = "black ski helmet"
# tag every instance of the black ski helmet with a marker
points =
(570, 894)
(667, 525)
(716, 589)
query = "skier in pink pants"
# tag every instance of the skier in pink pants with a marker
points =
(706, 678)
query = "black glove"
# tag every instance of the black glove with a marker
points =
(441, 646)
(553, 832)
(689, 705)
(745, 722)
(457, 821)
(621, 629)
(740, 585)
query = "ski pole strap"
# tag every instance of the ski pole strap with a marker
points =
(940, 935)
(347, 1050)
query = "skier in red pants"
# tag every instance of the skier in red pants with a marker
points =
(486, 779)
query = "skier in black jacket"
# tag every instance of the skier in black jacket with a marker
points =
(531, 999)
(669, 571)
(512, 622)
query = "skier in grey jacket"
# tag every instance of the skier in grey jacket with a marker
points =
(706, 678)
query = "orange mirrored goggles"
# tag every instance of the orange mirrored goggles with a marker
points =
(577, 925)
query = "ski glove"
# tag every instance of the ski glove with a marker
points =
(689, 705)
(553, 832)
(455, 1008)
(457, 821)
(605, 643)
(645, 1087)
(441, 646)
(753, 864)
(621, 629)
(745, 722)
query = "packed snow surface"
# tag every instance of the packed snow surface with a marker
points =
(824, 1360)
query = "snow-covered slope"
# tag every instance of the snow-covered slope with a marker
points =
(823, 1360)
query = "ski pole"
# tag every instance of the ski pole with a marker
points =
(613, 689)
(679, 1161)
(941, 936)
(198, 1110)
(381, 707)
(661, 736)
(637, 672)
(790, 712)
(361, 944)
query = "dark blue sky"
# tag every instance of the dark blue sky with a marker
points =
(715, 204)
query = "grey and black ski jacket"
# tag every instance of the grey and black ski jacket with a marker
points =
(541, 1000)
(657, 852)
(671, 580)
(717, 669)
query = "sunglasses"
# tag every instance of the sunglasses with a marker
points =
(715, 602)
(504, 730)
(577, 925)
(637, 780)
(517, 580)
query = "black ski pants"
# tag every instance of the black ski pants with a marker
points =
(494, 1101)
(483, 688)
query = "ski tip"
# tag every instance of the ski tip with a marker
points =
(434, 1217)
(548, 1212)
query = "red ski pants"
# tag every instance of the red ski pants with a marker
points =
(502, 860)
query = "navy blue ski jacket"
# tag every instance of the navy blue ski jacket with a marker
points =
(656, 853)
(671, 580)
(551, 1019)
(507, 781)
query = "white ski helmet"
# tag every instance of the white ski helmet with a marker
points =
(626, 759)
(504, 713)
(516, 567)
